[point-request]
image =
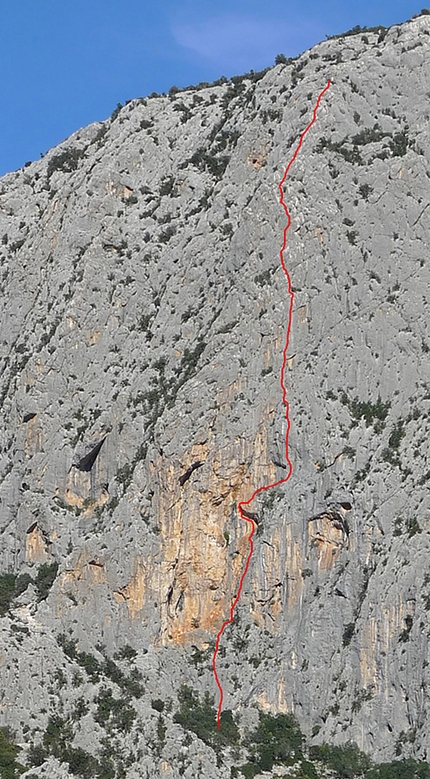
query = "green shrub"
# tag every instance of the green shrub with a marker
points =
(336, 57)
(360, 697)
(144, 322)
(11, 586)
(201, 656)
(347, 761)
(352, 236)
(124, 474)
(227, 229)
(190, 360)
(404, 635)
(413, 526)
(57, 736)
(36, 755)
(188, 314)
(66, 161)
(369, 135)
(272, 114)
(206, 161)
(81, 708)
(348, 451)
(348, 633)
(161, 733)
(116, 111)
(399, 144)
(276, 740)
(9, 768)
(81, 763)
(396, 436)
(356, 30)
(57, 742)
(307, 770)
(158, 705)
(7, 591)
(45, 579)
(90, 664)
(167, 186)
(101, 132)
(21, 584)
(391, 453)
(350, 155)
(281, 59)
(248, 770)
(264, 278)
(365, 190)
(106, 706)
(370, 411)
(200, 718)
(131, 684)
(115, 711)
(167, 234)
(400, 769)
(125, 653)
(68, 645)
(252, 75)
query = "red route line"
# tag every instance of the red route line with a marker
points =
(284, 398)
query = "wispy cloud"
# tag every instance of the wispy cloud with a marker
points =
(235, 41)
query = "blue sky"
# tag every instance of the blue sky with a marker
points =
(66, 64)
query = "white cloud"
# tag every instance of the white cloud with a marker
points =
(235, 41)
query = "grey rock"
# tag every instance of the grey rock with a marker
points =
(143, 319)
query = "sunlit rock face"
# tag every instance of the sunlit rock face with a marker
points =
(144, 316)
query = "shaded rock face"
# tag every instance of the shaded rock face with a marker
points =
(142, 327)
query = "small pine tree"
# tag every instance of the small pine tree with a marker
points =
(9, 768)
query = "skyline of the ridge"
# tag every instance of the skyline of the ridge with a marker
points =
(65, 67)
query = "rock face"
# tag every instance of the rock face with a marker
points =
(142, 327)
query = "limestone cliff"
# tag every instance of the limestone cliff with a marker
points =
(142, 326)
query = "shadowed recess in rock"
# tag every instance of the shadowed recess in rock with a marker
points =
(87, 462)
(186, 475)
